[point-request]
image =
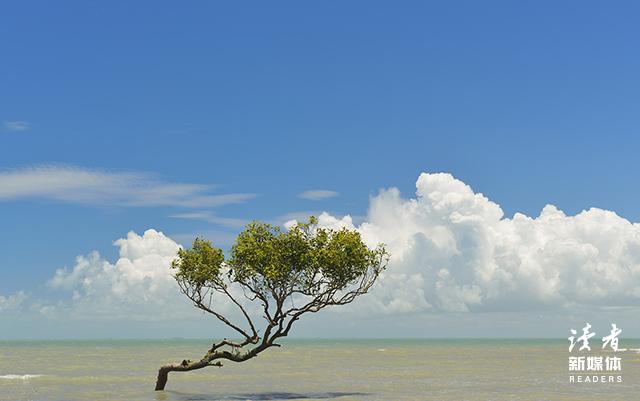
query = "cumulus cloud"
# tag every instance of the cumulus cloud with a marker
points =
(138, 285)
(96, 187)
(317, 194)
(453, 250)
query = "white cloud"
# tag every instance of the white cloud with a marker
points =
(96, 187)
(317, 194)
(12, 302)
(453, 250)
(16, 126)
(139, 285)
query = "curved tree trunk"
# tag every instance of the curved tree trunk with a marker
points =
(163, 376)
(208, 360)
(185, 366)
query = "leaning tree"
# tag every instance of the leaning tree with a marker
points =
(277, 274)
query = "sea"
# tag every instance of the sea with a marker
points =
(306, 369)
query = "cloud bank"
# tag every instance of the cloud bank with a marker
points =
(103, 188)
(453, 250)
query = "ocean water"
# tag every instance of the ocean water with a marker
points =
(340, 370)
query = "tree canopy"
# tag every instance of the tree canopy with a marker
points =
(278, 275)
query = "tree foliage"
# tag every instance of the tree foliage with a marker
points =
(285, 273)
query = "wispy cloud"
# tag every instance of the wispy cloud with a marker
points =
(15, 126)
(106, 188)
(317, 194)
(212, 218)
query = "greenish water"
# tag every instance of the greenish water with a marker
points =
(340, 370)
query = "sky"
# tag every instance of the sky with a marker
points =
(117, 118)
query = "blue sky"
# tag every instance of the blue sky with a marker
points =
(529, 104)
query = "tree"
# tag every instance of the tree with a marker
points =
(279, 274)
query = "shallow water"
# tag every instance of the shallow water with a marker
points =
(340, 370)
